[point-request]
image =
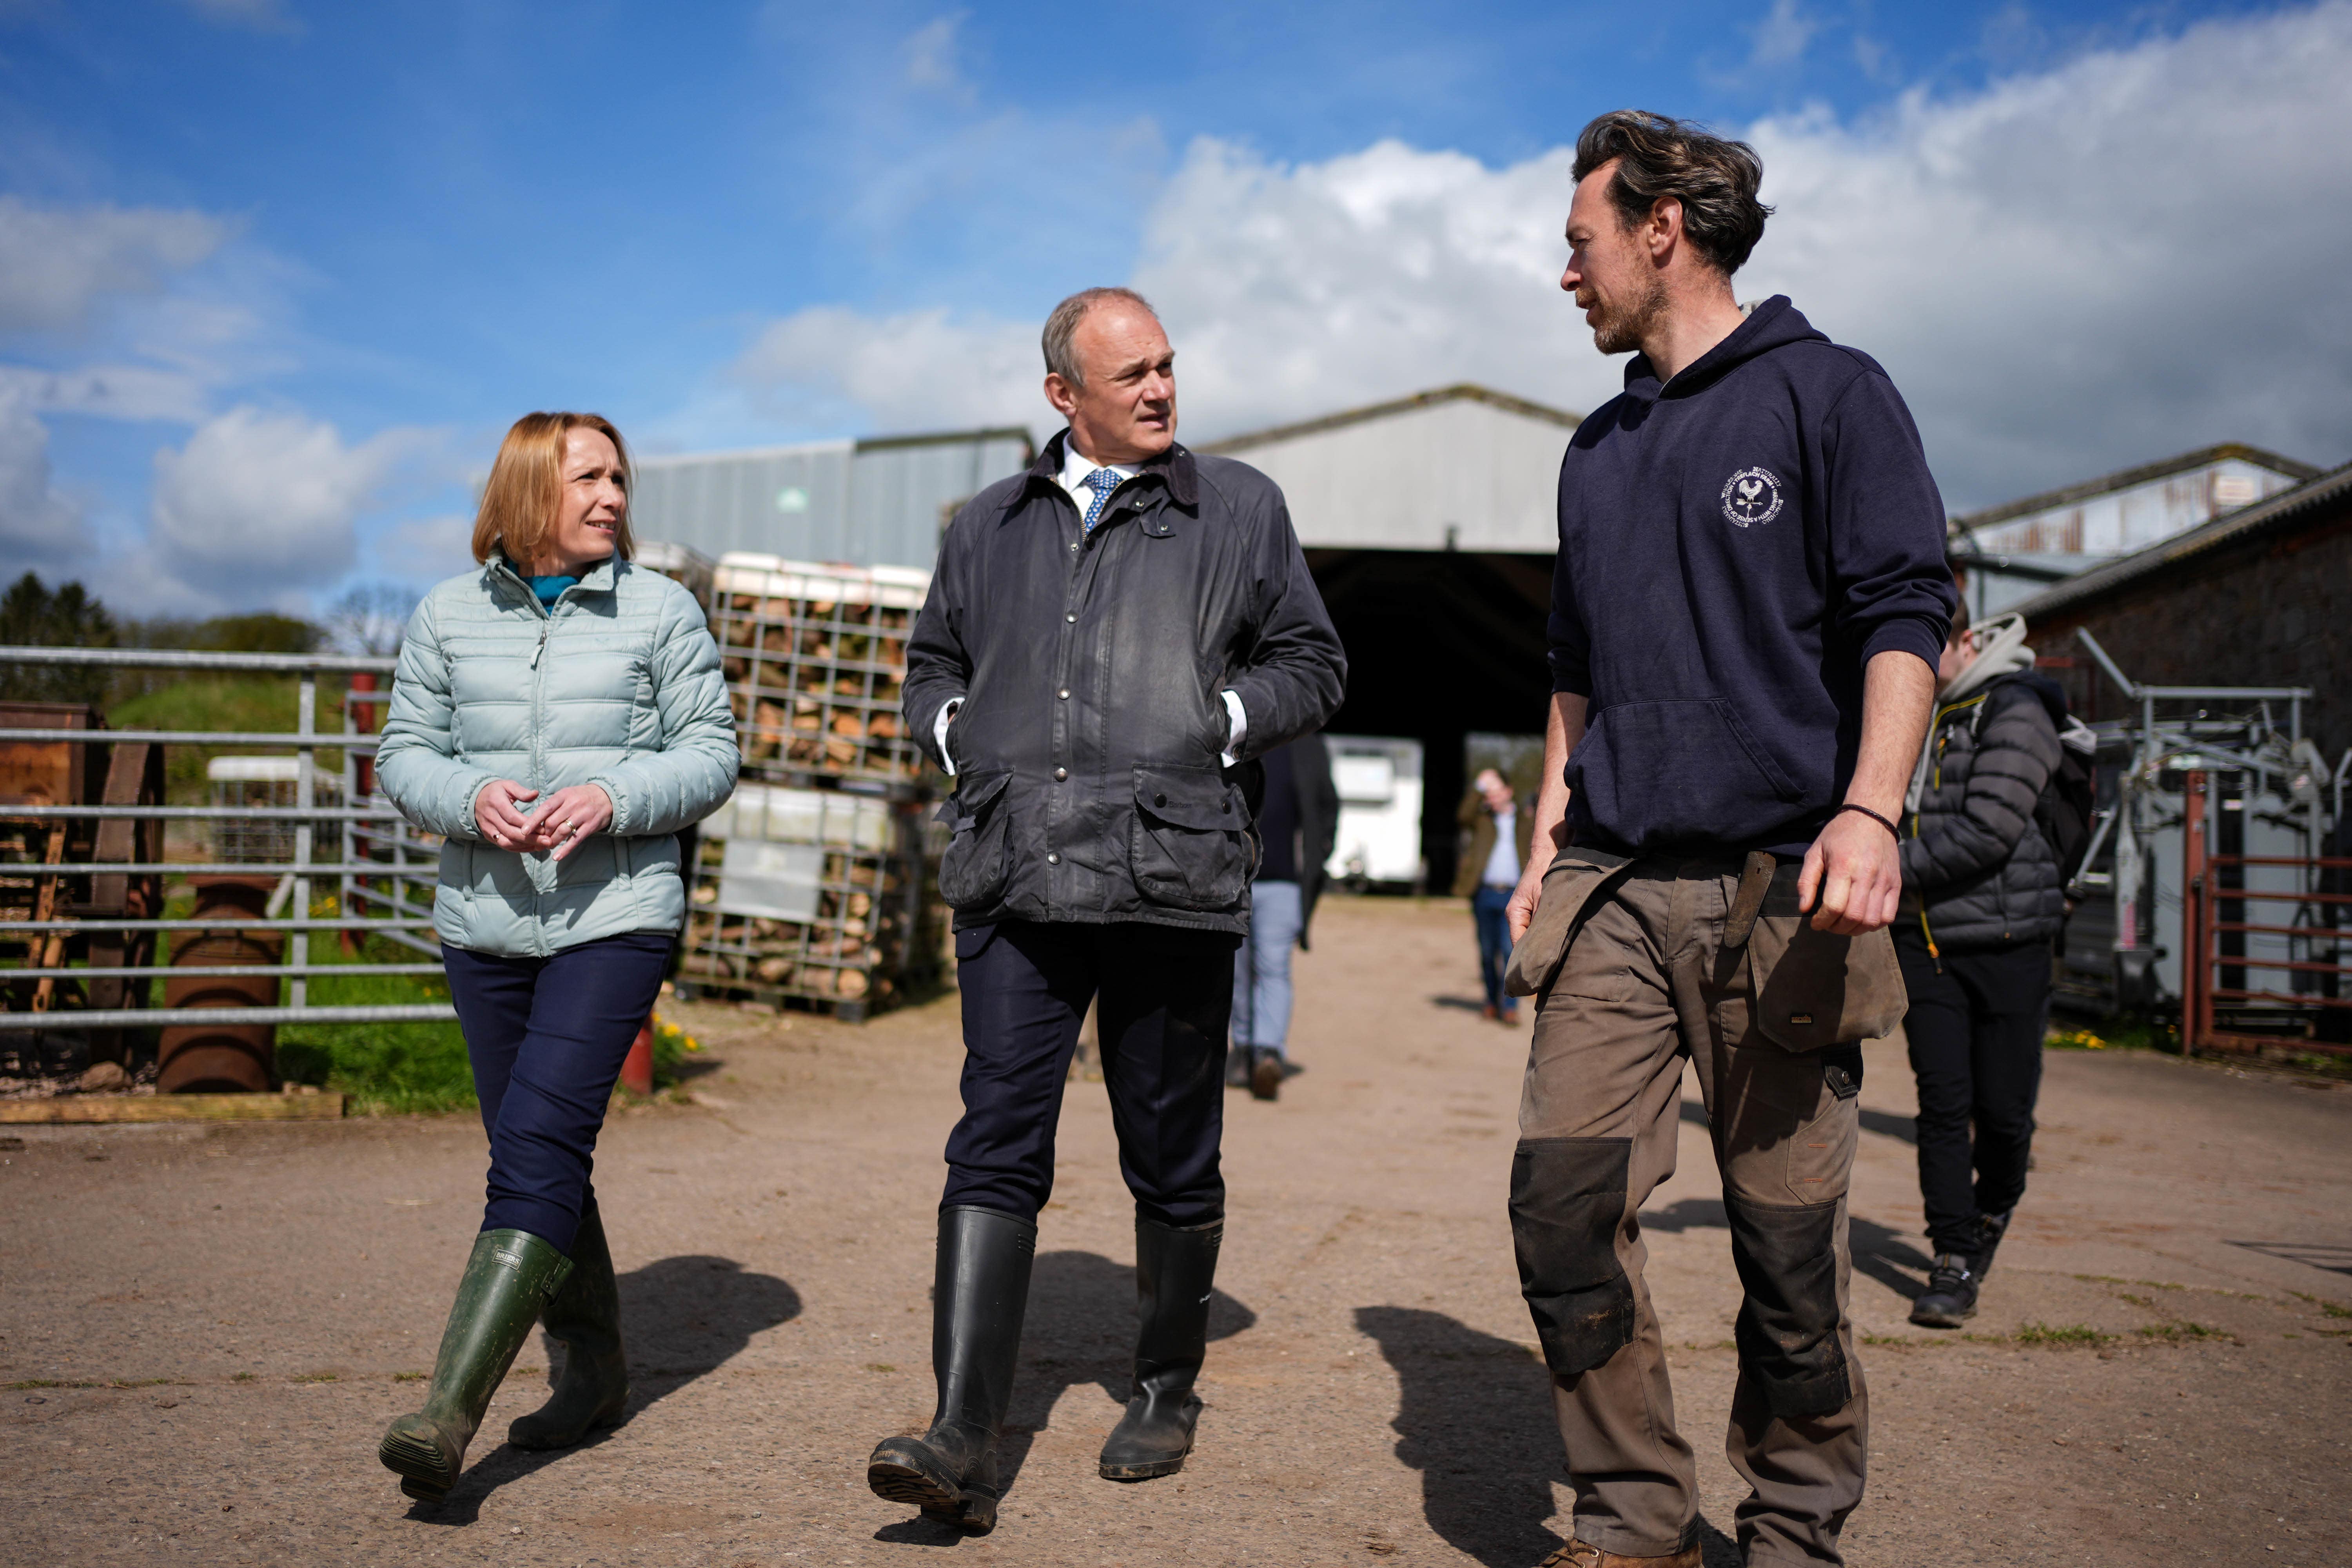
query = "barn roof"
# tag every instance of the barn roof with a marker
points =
(2125, 478)
(2287, 513)
(1459, 468)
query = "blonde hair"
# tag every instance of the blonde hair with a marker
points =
(526, 486)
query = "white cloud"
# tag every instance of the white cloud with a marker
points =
(38, 528)
(1782, 35)
(1294, 291)
(116, 392)
(261, 16)
(931, 63)
(259, 502)
(423, 550)
(56, 263)
(2132, 255)
(924, 370)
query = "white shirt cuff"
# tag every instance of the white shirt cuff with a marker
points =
(1239, 727)
(939, 733)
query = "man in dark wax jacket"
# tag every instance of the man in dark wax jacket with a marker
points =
(1110, 638)
(1747, 611)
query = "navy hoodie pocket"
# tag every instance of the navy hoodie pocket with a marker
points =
(1663, 773)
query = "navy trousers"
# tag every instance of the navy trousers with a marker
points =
(1166, 995)
(547, 1037)
(1489, 910)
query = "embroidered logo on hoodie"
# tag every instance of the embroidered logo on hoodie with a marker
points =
(1751, 495)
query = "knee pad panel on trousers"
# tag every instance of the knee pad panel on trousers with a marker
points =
(1787, 1326)
(1567, 1197)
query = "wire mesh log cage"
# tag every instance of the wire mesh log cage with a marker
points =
(816, 662)
(820, 897)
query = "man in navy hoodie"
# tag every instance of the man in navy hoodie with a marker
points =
(1749, 601)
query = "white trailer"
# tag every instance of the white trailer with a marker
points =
(1379, 838)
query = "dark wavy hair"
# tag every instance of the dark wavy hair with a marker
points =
(1658, 156)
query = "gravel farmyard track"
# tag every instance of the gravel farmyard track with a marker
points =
(203, 1331)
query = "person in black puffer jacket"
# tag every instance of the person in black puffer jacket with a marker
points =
(1982, 904)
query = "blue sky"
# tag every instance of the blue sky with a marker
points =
(274, 274)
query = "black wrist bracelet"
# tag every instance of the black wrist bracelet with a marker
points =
(1874, 817)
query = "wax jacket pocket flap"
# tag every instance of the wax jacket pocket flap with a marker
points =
(1189, 798)
(979, 857)
(963, 809)
(1190, 847)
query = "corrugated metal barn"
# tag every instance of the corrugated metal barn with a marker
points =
(1430, 524)
(875, 502)
(2015, 550)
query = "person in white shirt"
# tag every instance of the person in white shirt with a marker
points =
(1493, 856)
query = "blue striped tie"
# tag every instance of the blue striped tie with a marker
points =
(1102, 482)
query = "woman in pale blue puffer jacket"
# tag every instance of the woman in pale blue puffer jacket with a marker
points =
(557, 717)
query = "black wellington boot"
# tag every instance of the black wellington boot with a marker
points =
(508, 1281)
(1174, 1273)
(585, 1318)
(980, 1293)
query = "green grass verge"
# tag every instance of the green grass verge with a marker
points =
(2059, 1334)
(386, 1068)
(253, 703)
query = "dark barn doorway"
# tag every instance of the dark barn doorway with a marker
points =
(1440, 644)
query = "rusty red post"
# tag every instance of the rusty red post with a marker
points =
(2196, 971)
(637, 1067)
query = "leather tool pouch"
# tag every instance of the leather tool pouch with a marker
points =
(1812, 990)
(1576, 879)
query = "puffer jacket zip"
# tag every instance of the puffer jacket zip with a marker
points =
(1935, 782)
(542, 875)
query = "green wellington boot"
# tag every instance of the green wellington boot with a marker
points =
(1175, 1271)
(508, 1278)
(979, 1294)
(586, 1317)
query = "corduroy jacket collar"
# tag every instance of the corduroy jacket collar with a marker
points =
(1174, 468)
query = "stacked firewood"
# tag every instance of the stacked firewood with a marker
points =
(815, 661)
(866, 944)
(815, 882)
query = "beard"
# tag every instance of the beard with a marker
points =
(1623, 327)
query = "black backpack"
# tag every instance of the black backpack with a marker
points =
(2069, 799)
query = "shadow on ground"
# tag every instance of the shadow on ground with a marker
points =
(680, 1318)
(1079, 1329)
(1474, 1418)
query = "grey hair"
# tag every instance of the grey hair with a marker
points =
(1063, 325)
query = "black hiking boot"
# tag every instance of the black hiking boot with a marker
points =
(980, 1292)
(1174, 1273)
(584, 1317)
(508, 1281)
(1992, 1227)
(1951, 1296)
(1238, 1067)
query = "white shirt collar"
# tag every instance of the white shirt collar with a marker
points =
(1076, 467)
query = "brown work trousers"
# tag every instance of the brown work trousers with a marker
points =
(1634, 970)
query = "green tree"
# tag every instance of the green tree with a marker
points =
(261, 633)
(32, 616)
